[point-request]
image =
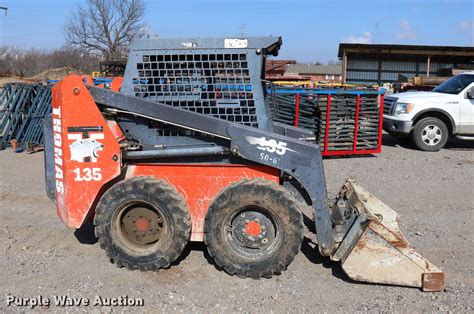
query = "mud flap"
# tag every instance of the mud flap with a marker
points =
(375, 250)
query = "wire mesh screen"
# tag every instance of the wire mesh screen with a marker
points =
(216, 84)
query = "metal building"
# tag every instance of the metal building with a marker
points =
(377, 64)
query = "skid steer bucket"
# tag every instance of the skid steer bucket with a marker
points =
(375, 250)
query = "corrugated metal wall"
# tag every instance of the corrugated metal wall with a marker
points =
(366, 71)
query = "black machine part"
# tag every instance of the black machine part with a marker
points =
(298, 159)
(49, 155)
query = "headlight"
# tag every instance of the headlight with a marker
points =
(403, 108)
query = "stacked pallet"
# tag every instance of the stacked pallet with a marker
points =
(309, 116)
(344, 121)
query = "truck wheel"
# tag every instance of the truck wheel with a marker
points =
(253, 228)
(430, 134)
(142, 223)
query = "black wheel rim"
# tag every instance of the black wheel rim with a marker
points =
(253, 233)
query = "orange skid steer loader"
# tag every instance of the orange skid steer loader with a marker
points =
(187, 151)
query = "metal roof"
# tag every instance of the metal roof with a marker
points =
(377, 49)
(300, 68)
(270, 44)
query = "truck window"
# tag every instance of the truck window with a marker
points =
(455, 84)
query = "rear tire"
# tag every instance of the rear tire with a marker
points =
(254, 228)
(142, 223)
(430, 134)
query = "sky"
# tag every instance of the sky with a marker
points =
(311, 30)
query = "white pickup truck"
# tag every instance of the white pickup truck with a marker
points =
(429, 118)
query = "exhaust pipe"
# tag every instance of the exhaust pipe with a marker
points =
(375, 250)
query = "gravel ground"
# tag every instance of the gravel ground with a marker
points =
(432, 192)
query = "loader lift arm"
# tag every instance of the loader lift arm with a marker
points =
(294, 157)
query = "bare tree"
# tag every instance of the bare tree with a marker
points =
(334, 62)
(106, 26)
(31, 62)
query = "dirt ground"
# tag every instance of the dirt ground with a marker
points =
(52, 74)
(433, 193)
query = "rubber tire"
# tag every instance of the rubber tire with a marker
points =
(420, 125)
(269, 196)
(158, 193)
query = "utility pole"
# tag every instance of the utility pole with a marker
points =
(4, 9)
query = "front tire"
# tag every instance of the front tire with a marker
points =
(142, 223)
(254, 228)
(430, 134)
